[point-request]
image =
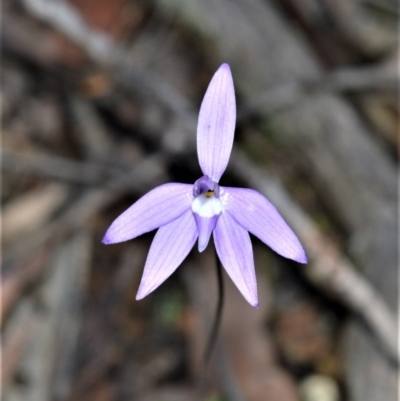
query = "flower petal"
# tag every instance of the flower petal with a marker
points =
(234, 249)
(169, 248)
(205, 227)
(256, 214)
(158, 207)
(216, 125)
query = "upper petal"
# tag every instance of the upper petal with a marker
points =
(216, 125)
(234, 249)
(169, 248)
(257, 215)
(158, 207)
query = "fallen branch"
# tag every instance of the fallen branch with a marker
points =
(106, 52)
(354, 79)
(57, 168)
(16, 338)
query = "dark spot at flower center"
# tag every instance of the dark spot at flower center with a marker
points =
(205, 186)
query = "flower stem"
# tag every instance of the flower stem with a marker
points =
(212, 339)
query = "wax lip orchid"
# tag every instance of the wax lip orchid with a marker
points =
(184, 213)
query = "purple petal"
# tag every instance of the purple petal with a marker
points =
(256, 214)
(216, 124)
(234, 249)
(205, 226)
(169, 248)
(158, 207)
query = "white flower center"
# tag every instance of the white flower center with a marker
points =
(206, 206)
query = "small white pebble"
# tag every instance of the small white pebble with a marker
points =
(319, 388)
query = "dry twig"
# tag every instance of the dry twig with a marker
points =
(353, 79)
(57, 168)
(16, 339)
(16, 282)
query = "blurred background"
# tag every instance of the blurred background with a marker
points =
(99, 104)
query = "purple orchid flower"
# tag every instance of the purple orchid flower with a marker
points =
(184, 213)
